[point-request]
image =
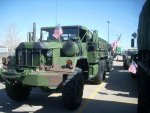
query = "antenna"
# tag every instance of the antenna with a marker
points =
(56, 12)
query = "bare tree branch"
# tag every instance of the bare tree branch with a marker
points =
(11, 37)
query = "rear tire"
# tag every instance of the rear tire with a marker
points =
(104, 75)
(100, 76)
(109, 65)
(17, 91)
(125, 66)
(73, 90)
(104, 69)
(108, 68)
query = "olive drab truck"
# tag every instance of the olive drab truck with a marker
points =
(143, 42)
(57, 65)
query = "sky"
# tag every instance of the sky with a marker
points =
(94, 14)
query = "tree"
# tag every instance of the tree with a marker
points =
(11, 38)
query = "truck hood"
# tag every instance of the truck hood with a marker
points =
(39, 45)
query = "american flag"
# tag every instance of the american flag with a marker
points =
(115, 43)
(57, 32)
(133, 67)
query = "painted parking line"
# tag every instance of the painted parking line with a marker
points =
(83, 106)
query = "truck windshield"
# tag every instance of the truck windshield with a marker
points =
(68, 33)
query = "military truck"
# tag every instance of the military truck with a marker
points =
(57, 65)
(143, 42)
(128, 56)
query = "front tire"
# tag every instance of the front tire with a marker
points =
(73, 90)
(17, 91)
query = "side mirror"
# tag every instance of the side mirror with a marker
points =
(89, 35)
(132, 42)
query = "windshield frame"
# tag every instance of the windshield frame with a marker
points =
(66, 31)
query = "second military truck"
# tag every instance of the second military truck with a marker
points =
(143, 42)
(57, 65)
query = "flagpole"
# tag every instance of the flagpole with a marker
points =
(108, 39)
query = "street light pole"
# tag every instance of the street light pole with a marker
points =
(108, 41)
(108, 30)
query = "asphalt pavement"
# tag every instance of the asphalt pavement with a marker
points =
(117, 94)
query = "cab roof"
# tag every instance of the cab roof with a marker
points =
(71, 26)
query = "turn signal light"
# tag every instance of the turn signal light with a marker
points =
(69, 64)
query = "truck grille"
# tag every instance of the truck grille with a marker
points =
(28, 57)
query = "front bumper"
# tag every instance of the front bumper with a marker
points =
(33, 78)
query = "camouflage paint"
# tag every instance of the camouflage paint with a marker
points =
(93, 71)
(39, 45)
(93, 57)
(53, 77)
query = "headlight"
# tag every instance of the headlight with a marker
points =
(49, 53)
(69, 64)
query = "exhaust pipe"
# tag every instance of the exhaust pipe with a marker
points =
(29, 37)
(34, 32)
